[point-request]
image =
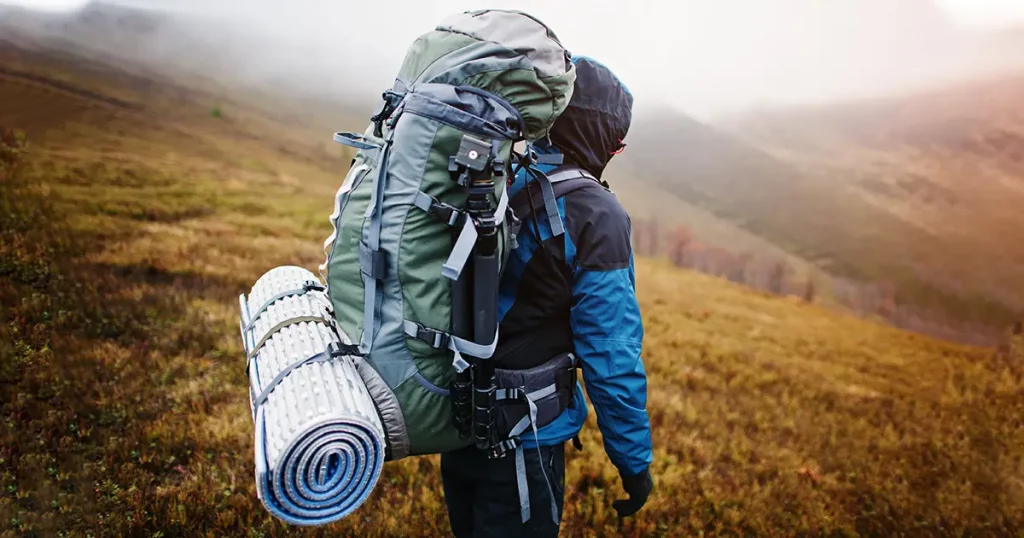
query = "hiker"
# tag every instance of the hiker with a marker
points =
(566, 292)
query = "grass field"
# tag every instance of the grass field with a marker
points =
(130, 229)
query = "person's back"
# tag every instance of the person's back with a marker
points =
(569, 287)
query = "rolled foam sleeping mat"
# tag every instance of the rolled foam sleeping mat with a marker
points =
(319, 442)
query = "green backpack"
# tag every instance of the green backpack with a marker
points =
(421, 222)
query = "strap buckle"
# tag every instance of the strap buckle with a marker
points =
(335, 350)
(499, 450)
(312, 285)
(447, 213)
(391, 100)
(513, 393)
(435, 339)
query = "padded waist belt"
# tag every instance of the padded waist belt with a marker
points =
(550, 386)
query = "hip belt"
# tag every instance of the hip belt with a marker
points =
(549, 386)
(526, 400)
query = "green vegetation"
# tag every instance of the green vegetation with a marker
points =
(215, 112)
(124, 245)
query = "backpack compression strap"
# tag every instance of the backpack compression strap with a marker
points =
(562, 182)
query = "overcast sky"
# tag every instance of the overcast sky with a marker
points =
(703, 56)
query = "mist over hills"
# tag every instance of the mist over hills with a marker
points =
(920, 190)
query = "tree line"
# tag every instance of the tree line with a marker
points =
(679, 245)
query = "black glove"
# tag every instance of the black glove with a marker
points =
(639, 487)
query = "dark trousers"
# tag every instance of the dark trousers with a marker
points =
(482, 495)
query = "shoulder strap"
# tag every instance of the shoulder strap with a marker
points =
(562, 174)
(562, 182)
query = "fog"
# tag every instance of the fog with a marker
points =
(702, 56)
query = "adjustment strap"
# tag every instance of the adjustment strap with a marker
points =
(571, 173)
(309, 285)
(508, 394)
(543, 393)
(286, 323)
(354, 140)
(508, 444)
(333, 351)
(548, 158)
(436, 339)
(440, 340)
(371, 264)
(448, 214)
(518, 394)
(452, 268)
(550, 205)
(530, 421)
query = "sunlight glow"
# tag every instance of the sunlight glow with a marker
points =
(985, 12)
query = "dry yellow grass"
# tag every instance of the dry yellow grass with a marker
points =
(124, 245)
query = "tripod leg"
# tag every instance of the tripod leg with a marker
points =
(462, 326)
(485, 322)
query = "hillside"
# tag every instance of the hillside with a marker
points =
(922, 191)
(139, 215)
(949, 163)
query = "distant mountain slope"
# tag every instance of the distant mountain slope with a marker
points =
(947, 163)
(766, 196)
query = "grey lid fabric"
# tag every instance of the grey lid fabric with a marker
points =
(515, 30)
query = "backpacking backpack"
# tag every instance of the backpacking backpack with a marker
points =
(422, 224)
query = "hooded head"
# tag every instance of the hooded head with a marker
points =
(593, 126)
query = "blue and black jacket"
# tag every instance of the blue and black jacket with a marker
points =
(575, 291)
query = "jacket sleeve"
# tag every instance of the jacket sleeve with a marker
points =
(608, 335)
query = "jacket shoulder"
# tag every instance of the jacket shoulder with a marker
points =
(599, 227)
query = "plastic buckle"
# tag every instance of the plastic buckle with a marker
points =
(513, 393)
(499, 450)
(436, 339)
(448, 214)
(312, 285)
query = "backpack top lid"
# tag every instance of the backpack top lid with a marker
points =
(505, 52)
(594, 124)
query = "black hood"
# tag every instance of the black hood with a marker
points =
(594, 124)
